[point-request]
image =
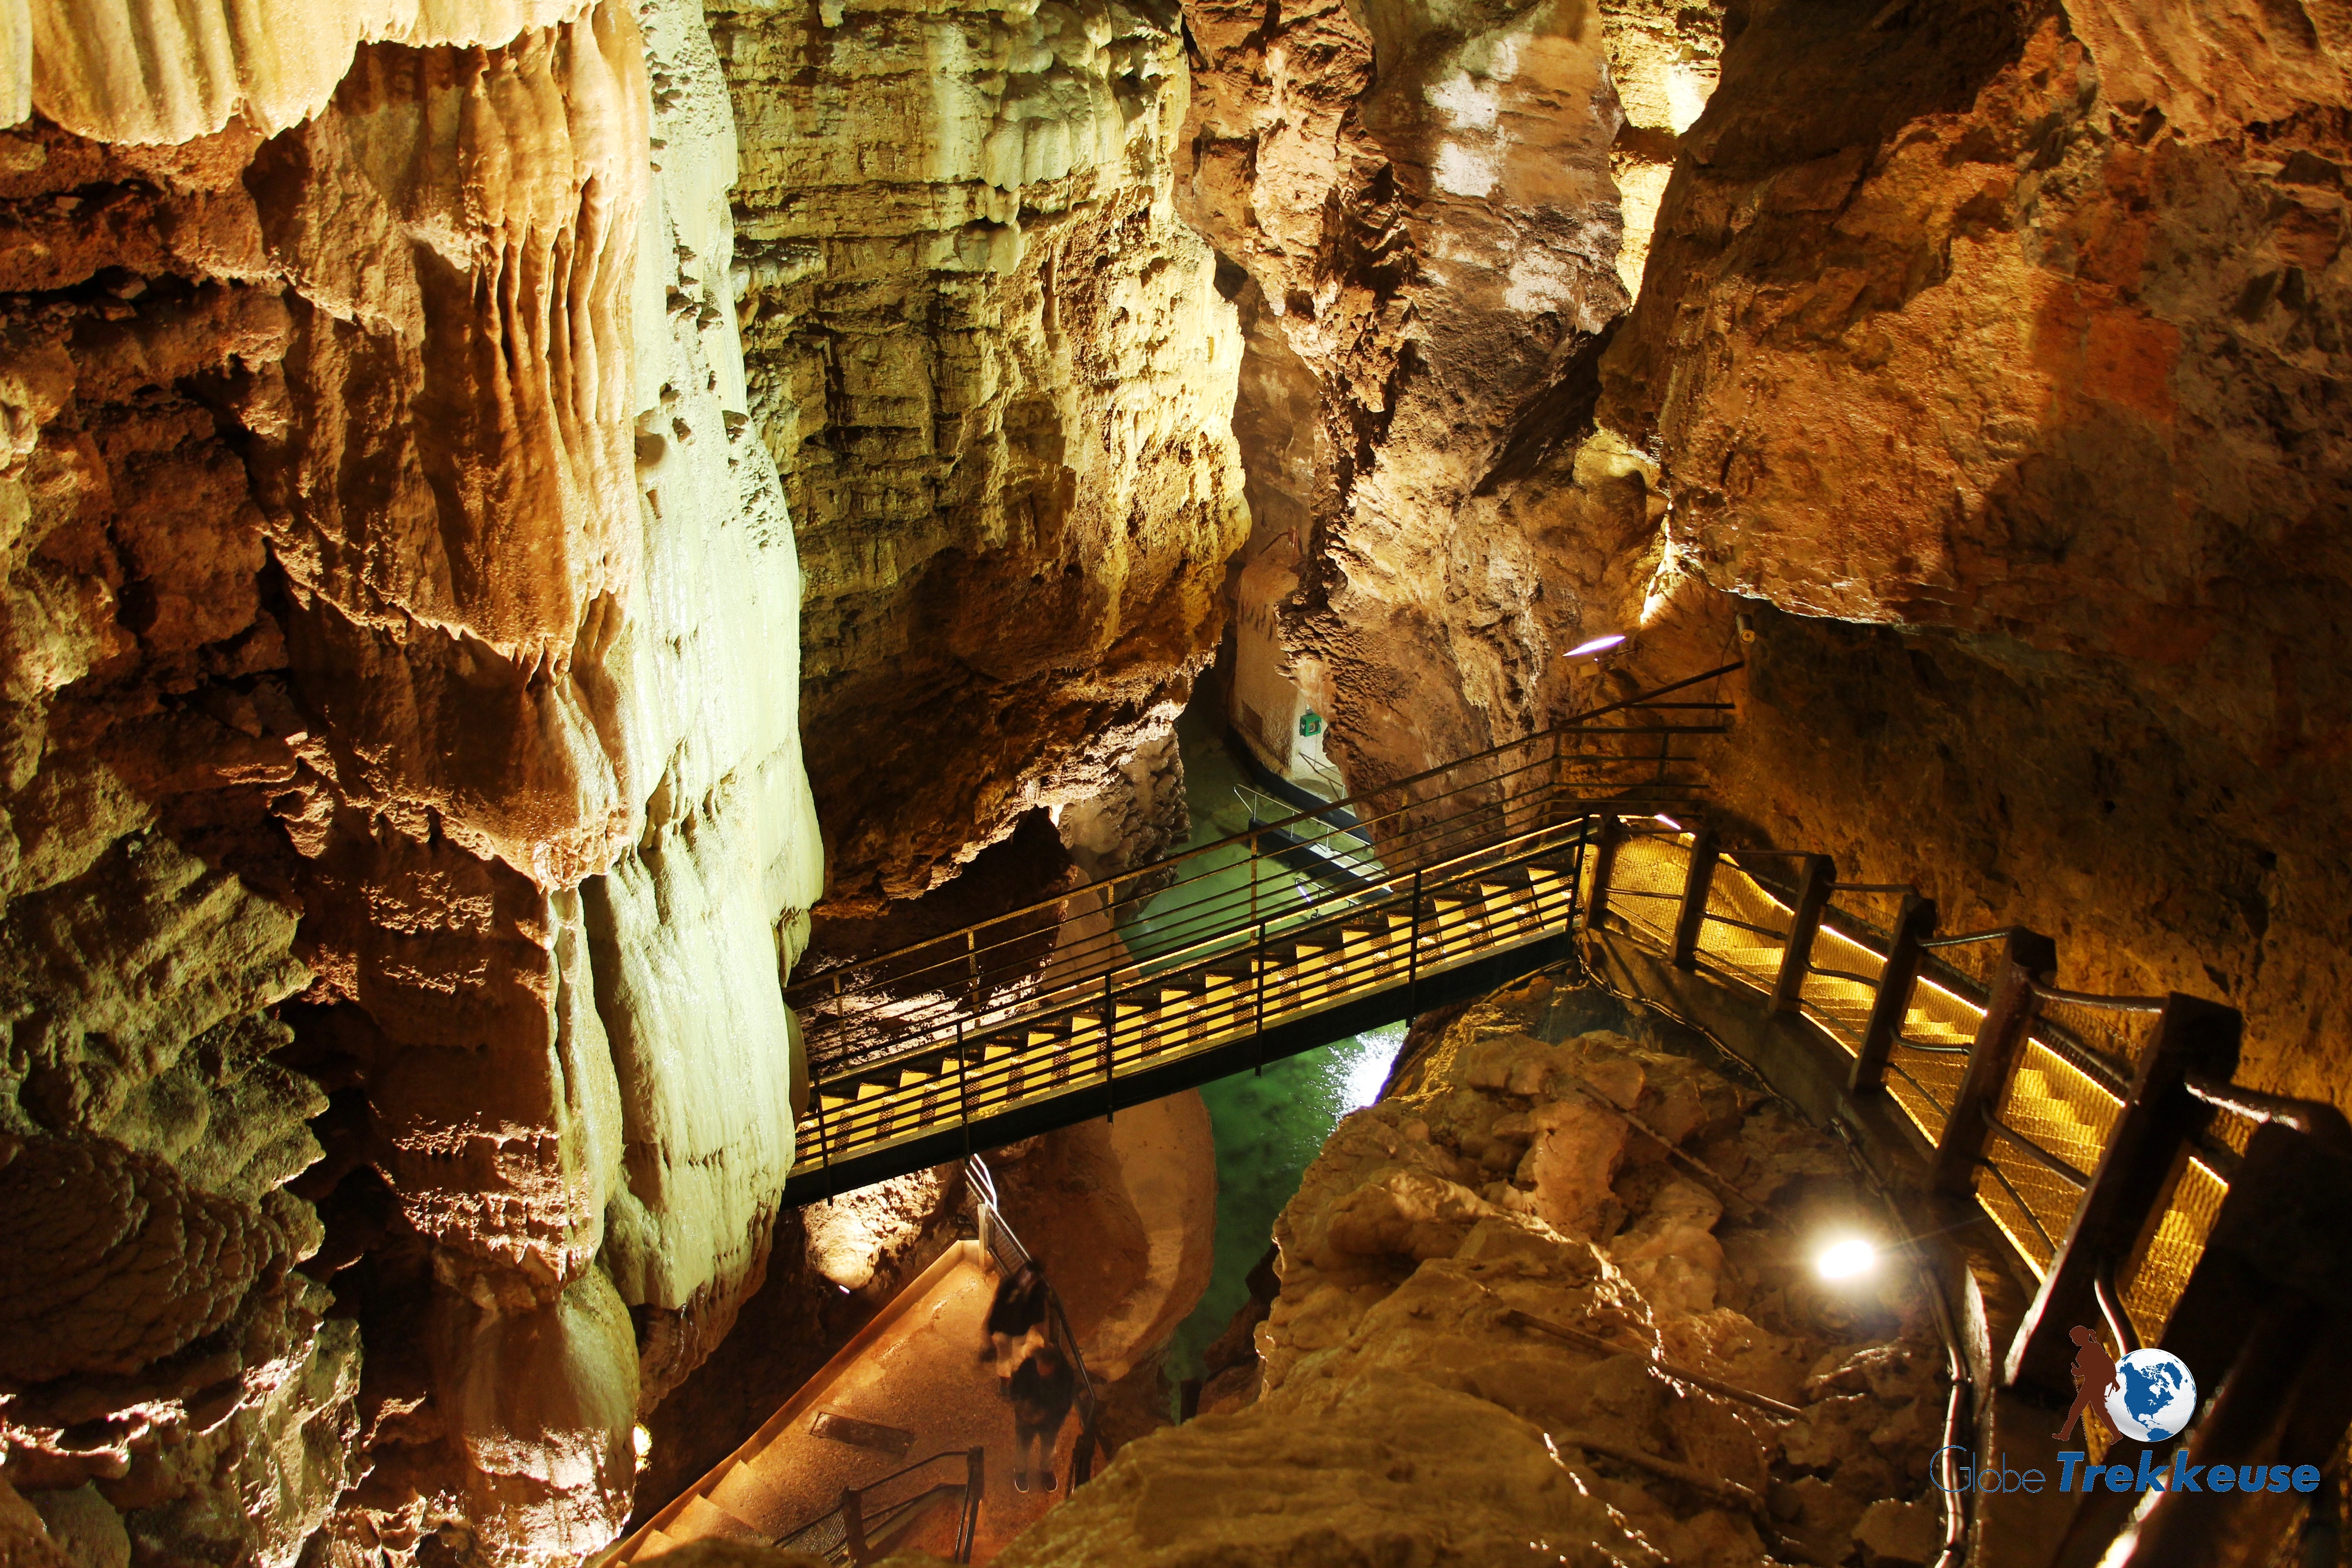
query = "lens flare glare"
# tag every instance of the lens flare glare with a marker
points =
(1849, 1258)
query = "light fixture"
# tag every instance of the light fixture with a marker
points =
(1598, 644)
(1667, 821)
(1848, 1258)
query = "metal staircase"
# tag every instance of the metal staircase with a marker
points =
(1188, 970)
(2099, 1141)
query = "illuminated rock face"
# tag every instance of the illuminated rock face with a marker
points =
(1434, 248)
(2011, 335)
(399, 626)
(1405, 1415)
(2018, 335)
(990, 361)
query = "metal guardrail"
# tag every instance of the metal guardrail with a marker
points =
(860, 1528)
(1048, 1007)
(990, 970)
(2100, 1134)
(998, 1239)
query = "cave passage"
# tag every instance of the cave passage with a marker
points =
(1268, 1126)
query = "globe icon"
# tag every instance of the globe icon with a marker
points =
(2153, 1397)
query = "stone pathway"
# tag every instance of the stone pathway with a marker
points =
(916, 1368)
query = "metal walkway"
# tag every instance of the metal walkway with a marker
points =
(2131, 1183)
(1185, 971)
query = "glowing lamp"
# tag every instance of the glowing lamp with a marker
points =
(1664, 820)
(1598, 644)
(1848, 1259)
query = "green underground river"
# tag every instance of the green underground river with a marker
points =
(1268, 1126)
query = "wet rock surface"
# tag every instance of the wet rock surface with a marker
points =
(1409, 1409)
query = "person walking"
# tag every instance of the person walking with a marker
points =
(1042, 1388)
(1016, 1320)
(2094, 1373)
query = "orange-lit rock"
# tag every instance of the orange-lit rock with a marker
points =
(2021, 340)
(1405, 1415)
(1435, 245)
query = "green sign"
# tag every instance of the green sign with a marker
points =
(1310, 723)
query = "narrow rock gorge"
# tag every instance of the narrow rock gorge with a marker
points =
(524, 522)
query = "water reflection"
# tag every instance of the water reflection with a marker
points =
(1268, 1129)
(1268, 1126)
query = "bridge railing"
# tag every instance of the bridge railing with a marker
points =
(1086, 1037)
(2102, 1135)
(992, 972)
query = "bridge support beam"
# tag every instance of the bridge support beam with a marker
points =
(1813, 886)
(1696, 880)
(1888, 1007)
(2028, 958)
(2266, 1324)
(2158, 1118)
(1606, 835)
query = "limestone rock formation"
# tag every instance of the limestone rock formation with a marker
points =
(1664, 62)
(2010, 330)
(397, 675)
(1407, 1414)
(2020, 338)
(1432, 252)
(991, 363)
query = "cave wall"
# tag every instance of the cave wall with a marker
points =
(1989, 355)
(993, 366)
(407, 831)
(1434, 245)
(2002, 348)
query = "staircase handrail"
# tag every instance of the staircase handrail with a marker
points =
(2282, 1168)
(856, 1524)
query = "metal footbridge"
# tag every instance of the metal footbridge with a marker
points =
(1307, 929)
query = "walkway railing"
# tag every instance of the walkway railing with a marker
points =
(1005, 1248)
(863, 1526)
(2102, 1135)
(1127, 989)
